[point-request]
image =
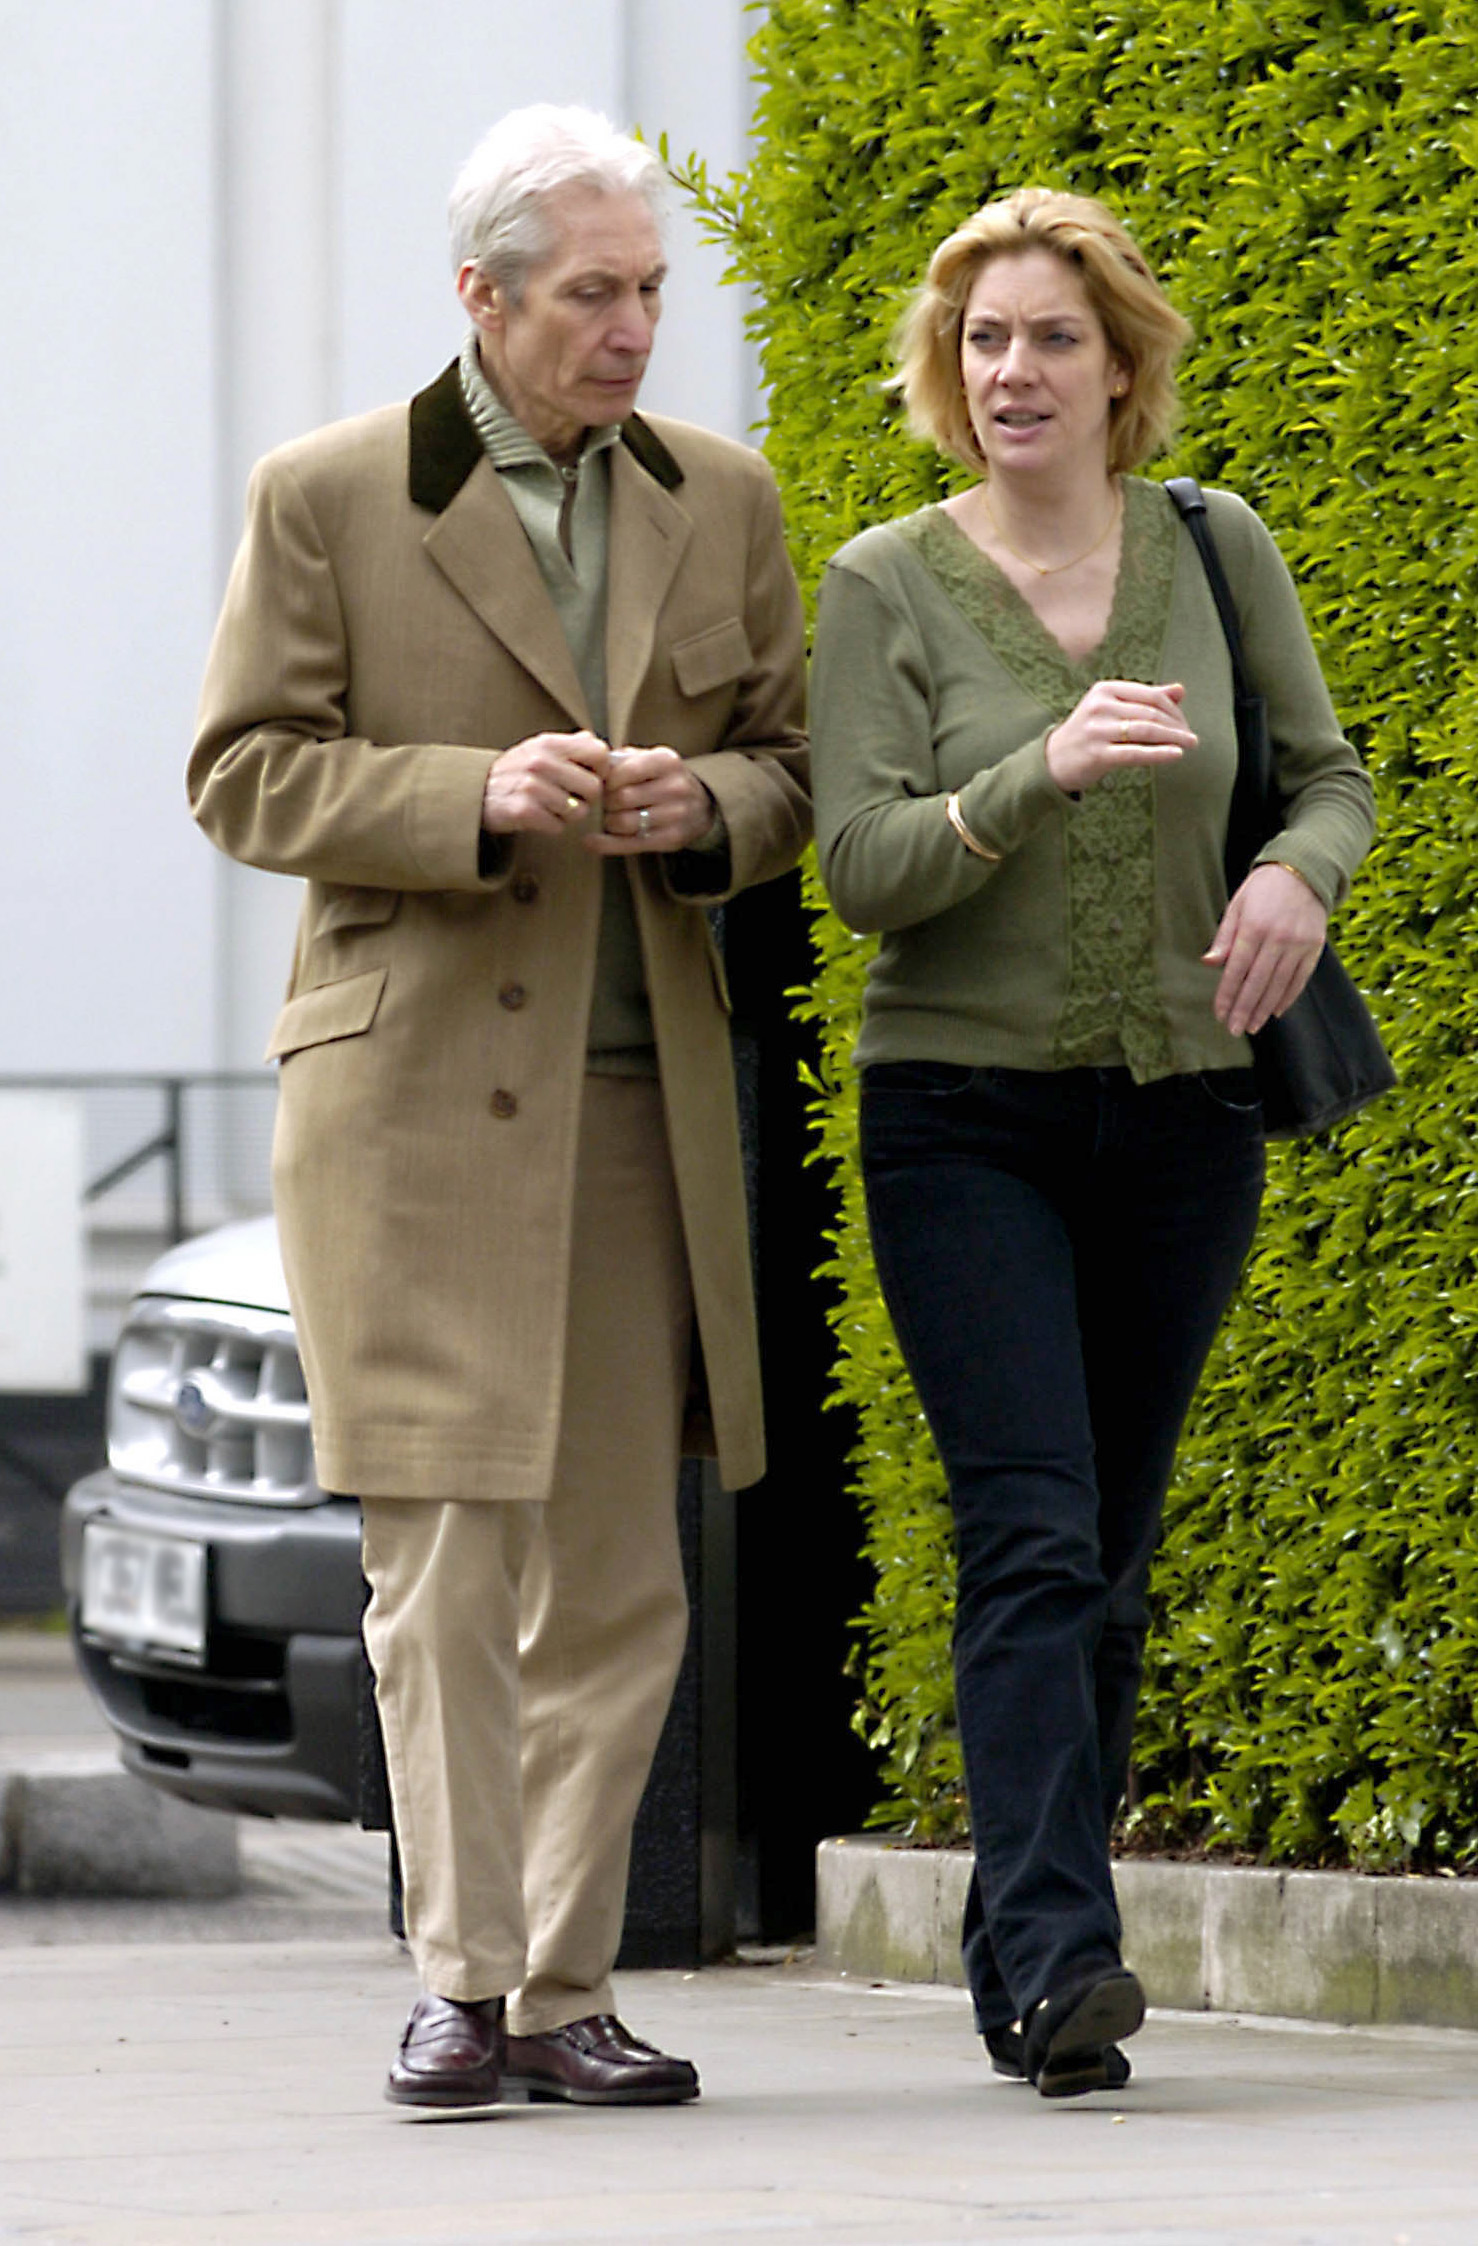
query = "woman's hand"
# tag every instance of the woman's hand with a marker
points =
(1267, 947)
(544, 784)
(1117, 723)
(653, 802)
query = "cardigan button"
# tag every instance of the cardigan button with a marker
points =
(504, 1105)
(513, 995)
(525, 888)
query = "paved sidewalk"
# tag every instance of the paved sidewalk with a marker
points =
(229, 2095)
(208, 2074)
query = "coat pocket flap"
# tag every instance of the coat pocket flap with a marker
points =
(356, 908)
(711, 658)
(316, 1017)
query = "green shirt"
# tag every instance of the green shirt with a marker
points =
(1081, 944)
(565, 513)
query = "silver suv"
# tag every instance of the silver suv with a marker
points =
(215, 1595)
(214, 1589)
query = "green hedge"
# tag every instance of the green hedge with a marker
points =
(1303, 174)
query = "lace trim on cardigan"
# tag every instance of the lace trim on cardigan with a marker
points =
(1112, 1012)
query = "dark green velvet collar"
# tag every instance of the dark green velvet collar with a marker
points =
(445, 446)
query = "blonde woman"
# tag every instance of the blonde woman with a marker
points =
(1024, 751)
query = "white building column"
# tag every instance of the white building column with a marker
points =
(277, 371)
(686, 74)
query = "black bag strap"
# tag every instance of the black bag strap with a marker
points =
(1191, 501)
(1255, 811)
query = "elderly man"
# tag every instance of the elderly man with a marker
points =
(514, 678)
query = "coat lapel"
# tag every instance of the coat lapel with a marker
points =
(477, 541)
(649, 535)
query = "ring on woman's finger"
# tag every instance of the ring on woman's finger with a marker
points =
(575, 802)
(1123, 731)
(644, 821)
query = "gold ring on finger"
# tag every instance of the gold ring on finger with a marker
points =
(575, 802)
(644, 821)
(1123, 731)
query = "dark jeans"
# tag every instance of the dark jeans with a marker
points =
(1056, 1251)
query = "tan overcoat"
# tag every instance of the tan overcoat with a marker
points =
(384, 629)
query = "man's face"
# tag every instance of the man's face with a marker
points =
(571, 355)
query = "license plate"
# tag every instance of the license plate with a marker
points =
(144, 1590)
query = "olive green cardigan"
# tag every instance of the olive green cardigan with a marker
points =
(1080, 944)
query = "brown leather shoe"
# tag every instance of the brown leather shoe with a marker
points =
(595, 2062)
(450, 2054)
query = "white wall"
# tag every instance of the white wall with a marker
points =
(674, 66)
(221, 222)
(107, 560)
(688, 76)
(398, 315)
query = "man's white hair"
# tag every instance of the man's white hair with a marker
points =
(499, 210)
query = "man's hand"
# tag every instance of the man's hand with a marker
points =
(652, 802)
(545, 784)
(1267, 947)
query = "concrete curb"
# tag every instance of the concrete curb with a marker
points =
(1333, 1946)
(73, 1822)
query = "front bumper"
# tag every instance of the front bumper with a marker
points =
(279, 1721)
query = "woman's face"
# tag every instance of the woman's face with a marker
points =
(1038, 372)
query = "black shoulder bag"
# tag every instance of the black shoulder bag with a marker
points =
(1323, 1059)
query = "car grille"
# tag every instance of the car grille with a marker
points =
(207, 1400)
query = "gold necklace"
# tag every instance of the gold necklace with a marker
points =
(1052, 569)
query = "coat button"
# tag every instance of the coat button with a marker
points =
(513, 995)
(525, 888)
(504, 1104)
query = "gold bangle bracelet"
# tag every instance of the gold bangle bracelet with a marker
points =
(956, 818)
(1284, 867)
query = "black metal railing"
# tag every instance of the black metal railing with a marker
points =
(209, 1132)
(198, 1144)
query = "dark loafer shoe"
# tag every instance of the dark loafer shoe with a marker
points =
(595, 2062)
(1007, 2048)
(1068, 2035)
(450, 2055)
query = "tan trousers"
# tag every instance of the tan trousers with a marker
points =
(525, 1653)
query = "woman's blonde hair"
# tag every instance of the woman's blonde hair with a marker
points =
(1142, 326)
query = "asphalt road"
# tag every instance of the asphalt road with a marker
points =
(327, 1882)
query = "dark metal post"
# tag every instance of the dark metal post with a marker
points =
(718, 1719)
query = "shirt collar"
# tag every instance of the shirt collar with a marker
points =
(505, 440)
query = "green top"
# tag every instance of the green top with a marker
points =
(1081, 945)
